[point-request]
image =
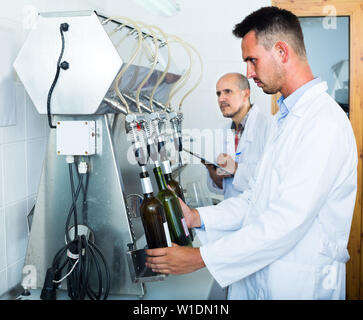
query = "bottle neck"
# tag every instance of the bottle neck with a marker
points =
(166, 166)
(146, 185)
(168, 177)
(159, 177)
(148, 195)
(167, 170)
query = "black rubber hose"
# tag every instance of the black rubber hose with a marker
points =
(63, 27)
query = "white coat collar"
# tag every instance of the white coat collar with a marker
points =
(302, 104)
(253, 113)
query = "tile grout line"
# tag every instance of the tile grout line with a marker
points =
(37, 139)
(26, 172)
(26, 149)
(4, 219)
(23, 102)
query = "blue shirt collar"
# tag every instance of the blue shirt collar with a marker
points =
(285, 105)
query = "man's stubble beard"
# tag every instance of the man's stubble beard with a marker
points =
(231, 115)
(275, 86)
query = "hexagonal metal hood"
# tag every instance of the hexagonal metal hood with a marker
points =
(93, 63)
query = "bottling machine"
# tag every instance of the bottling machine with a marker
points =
(98, 79)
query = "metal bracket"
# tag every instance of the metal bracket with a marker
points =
(138, 271)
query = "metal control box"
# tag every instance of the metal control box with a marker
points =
(76, 138)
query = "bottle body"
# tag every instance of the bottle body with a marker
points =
(154, 222)
(153, 216)
(179, 232)
(176, 187)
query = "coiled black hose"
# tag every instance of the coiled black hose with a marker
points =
(77, 260)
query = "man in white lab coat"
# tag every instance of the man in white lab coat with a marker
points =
(286, 236)
(240, 145)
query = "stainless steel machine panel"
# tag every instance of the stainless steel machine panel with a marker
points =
(93, 63)
(107, 215)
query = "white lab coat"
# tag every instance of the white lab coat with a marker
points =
(286, 236)
(250, 147)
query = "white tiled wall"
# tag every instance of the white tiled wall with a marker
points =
(22, 150)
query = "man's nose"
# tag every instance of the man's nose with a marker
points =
(250, 72)
(222, 97)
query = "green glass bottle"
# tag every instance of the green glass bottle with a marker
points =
(174, 185)
(153, 216)
(179, 232)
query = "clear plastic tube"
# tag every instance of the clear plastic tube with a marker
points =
(133, 57)
(181, 82)
(155, 60)
(162, 33)
(199, 79)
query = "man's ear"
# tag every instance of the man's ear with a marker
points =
(282, 50)
(246, 93)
